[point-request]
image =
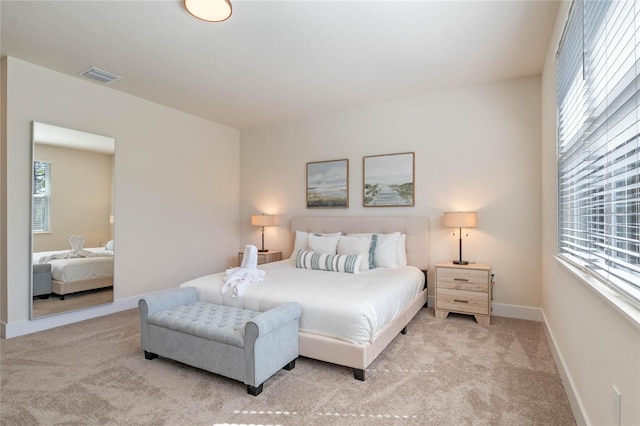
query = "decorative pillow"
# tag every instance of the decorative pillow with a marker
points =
(302, 241)
(329, 262)
(402, 250)
(356, 245)
(386, 251)
(326, 244)
(109, 245)
(382, 248)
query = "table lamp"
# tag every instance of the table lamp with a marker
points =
(460, 220)
(262, 220)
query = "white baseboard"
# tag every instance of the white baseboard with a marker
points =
(577, 407)
(40, 324)
(516, 311)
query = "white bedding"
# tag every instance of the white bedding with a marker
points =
(79, 268)
(350, 307)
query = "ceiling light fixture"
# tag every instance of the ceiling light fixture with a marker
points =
(209, 10)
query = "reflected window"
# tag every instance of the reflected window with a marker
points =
(41, 195)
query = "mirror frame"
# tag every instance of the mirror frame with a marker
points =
(31, 244)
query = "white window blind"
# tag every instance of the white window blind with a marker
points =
(598, 89)
(41, 196)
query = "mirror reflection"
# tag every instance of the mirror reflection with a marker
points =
(72, 220)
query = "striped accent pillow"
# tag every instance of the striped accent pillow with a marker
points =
(349, 263)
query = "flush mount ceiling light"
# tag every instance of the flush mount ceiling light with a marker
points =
(209, 10)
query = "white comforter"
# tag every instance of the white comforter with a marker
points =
(78, 268)
(350, 307)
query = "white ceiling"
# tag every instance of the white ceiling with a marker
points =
(275, 61)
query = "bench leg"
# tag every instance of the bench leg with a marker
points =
(253, 390)
(150, 355)
(290, 366)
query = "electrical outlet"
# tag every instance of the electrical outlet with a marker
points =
(616, 406)
(494, 277)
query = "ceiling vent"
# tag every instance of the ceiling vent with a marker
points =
(100, 75)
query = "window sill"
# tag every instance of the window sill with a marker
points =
(630, 312)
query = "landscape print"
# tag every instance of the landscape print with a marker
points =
(328, 184)
(388, 180)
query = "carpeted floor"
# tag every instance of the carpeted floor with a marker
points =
(443, 372)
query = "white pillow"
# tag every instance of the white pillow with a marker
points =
(348, 244)
(328, 262)
(325, 244)
(386, 250)
(402, 250)
(300, 243)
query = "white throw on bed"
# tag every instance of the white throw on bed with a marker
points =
(350, 307)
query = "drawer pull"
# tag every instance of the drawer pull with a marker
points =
(460, 301)
(460, 279)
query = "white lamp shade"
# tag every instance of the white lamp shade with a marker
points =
(460, 219)
(262, 220)
(209, 10)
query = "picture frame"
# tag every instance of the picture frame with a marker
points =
(328, 184)
(388, 180)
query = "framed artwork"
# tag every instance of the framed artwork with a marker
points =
(328, 184)
(388, 180)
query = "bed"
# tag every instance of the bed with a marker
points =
(78, 273)
(347, 318)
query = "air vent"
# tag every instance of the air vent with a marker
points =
(99, 75)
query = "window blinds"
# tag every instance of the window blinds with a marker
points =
(598, 97)
(41, 196)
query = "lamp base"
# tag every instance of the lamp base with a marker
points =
(262, 250)
(460, 262)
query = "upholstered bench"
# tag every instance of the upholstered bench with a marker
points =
(237, 343)
(42, 279)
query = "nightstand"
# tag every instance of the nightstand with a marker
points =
(464, 289)
(263, 257)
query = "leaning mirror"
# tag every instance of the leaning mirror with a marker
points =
(72, 246)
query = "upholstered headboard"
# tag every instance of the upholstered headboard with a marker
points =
(416, 228)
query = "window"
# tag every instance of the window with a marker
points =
(41, 195)
(598, 87)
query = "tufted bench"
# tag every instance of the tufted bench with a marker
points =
(237, 343)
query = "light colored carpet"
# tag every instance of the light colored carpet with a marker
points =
(443, 372)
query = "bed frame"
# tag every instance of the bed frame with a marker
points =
(360, 356)
(62, 288)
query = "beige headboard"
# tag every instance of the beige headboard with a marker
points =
(416, 228)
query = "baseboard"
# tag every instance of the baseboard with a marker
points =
(45, 323)
(567, 382)
(516, 311)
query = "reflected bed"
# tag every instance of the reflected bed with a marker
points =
(78, 273)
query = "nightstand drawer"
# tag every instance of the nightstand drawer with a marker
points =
(463, 279)
(463, 301)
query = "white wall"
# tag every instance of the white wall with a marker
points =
(476, 148)
(176, 188)
(596, 346)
